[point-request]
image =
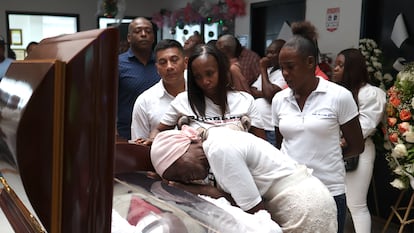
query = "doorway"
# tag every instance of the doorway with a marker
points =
(268, 19)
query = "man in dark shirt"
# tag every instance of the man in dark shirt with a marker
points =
(137, 71)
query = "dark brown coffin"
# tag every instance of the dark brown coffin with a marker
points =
(65, 134)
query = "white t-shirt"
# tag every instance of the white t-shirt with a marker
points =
(263, 106)
(239, 104)
(148, 110)
(312, 136)
(244, 165)
(275, 77)
(371, 104)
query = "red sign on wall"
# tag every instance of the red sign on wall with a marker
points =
(332, 19)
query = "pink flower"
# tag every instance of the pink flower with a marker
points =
(391, 121)
(393, 137)
(403, 127)
(395, 101)
(405, 114)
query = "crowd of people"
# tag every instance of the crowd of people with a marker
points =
(267, 133)
(271, 133)
(7, 55)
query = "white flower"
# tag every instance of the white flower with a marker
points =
(405, 76)
(378, 75)
(387, 77)
(409, 136)
(372, 54)
(412, 102)
(364, 53)
(399, 151)
(398, 170)
(410, 168)
(397, 183)
(377, 52)
(370, 69)
(377, 65)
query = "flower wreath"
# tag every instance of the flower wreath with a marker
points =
(200, 11)
(373, 59)
(400, 128)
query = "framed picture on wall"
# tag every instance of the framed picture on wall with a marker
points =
(16, 36)
(25, 27)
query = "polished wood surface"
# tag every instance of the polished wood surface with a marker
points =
(132, 157)
(20, 218)
(65, 140)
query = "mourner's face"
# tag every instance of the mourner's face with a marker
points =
(141, 34)
(191, 42)
(171, 65)
(193, 165)
(205, 73)
(338, 71)
(296, 68)
(272, 52)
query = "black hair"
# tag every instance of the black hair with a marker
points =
(168, 43)
(195, 94)
(31, 43)
(308, 31)
(355, 74)
(302, 45)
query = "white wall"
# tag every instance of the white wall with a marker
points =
(86, 9)
(345, 36)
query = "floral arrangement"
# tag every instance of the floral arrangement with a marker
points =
(373, 59)
(111, 8)
(200, 11)
(400, 128)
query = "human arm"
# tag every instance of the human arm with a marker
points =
(214, 192)
(269, 89)
(258, 132)
(256, 93)
(203, 189)
(352, 133)
(372, 102)
(239, 81)
(154, 132)
(279, 138)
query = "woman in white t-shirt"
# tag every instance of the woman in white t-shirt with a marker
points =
(309, 116)
(249, 172)
(209, 99)
(351, 72)
(269, 82)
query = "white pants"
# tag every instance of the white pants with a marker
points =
(357, 184)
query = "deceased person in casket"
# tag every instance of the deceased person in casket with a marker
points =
(249, 172)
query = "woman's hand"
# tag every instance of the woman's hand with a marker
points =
(343, 143)
(142, 141)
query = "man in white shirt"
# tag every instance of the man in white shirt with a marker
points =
(151, 105)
